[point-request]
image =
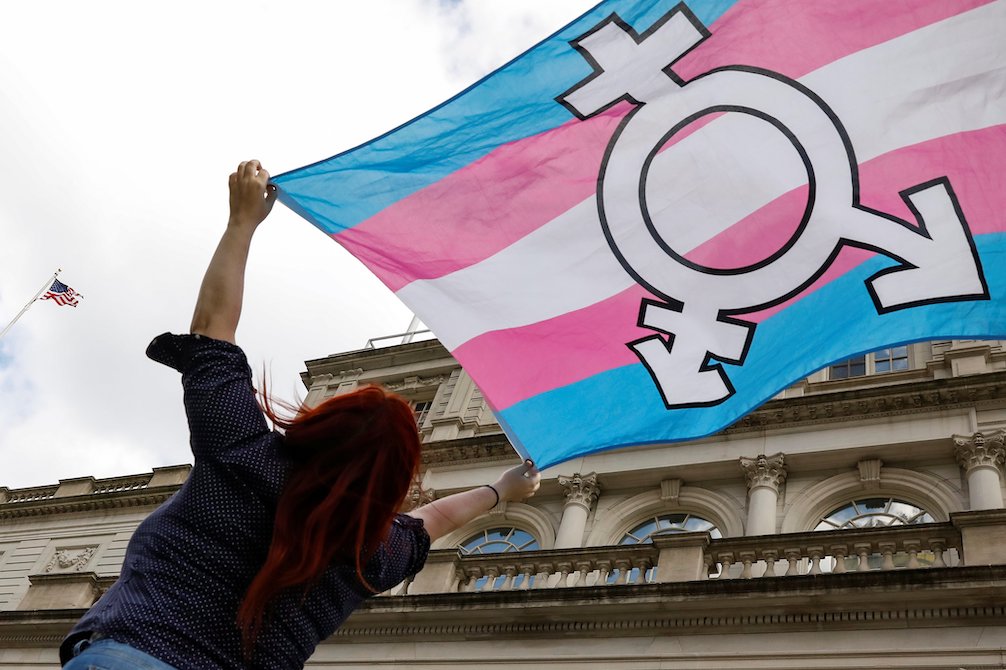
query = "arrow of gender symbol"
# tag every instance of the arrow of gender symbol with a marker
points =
(937, 258)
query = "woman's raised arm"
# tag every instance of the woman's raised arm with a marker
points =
(447, 514)
(218, 308)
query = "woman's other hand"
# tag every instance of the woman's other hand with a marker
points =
(519, 482)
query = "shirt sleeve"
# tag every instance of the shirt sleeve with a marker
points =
(402, 555)
(219, 395)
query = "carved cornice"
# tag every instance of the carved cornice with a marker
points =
(764, 471)
(340, 376)
(485, 448)
(418, 496)
(581, 489)
(88, 503)
(961, 596)
(877, 402)
(880, 401)
(981, 450)
(770, 622)
(415, 383)
(704, 607)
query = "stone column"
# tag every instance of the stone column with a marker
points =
(765, 474)
(982, 458)
(581, 494)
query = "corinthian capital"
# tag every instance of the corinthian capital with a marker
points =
(581, 489)
(980, 450)
(769, 471)
(417, 497)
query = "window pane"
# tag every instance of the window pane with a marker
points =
(669, 523)
(874, 512)
(499, 541)
(852, 367)
(903, 510)
(873, 504)
(883, 366)
(696, 524)
(842, 515)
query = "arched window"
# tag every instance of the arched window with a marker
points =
(669, 523)
(505, 540)
(499, 541)
(873, 513)
(876, 513)
(643, 533)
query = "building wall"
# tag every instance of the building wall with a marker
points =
(820, 445)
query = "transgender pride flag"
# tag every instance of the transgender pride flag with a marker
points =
(654, 220)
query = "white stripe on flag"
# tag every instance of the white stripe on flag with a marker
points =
(566, 264)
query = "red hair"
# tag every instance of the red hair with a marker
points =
(355, 458)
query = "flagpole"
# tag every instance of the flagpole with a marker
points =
(48, 283)
(410, 332)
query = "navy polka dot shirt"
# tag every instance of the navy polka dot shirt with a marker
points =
(189, 563)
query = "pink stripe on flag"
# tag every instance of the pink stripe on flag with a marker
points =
(592, 340)
(483, 208)
(776, 35)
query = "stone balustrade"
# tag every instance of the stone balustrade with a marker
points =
(684, 557)
(119, 484)
(935, 545)
(32, 494)
(448, 571)
(597, 566)
(161, 478)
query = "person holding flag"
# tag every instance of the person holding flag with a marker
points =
(276, 537)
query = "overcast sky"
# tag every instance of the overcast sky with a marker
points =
(119, 124)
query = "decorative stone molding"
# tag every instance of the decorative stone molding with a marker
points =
(721, 510)
(416, 383)
(670, 491)
(774, 606)
(581, 489)
(531, 519)
(22, 507)
(919, 397)
(766, 471)
(470, 450)
(980, 450)
(934, 494)
(418, 496)
(329, 378)
(70, 559)
(869, 472)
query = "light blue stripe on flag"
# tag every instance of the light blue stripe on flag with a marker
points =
(562, 422)
(510, 104)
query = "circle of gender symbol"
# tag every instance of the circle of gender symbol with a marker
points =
(699, 301)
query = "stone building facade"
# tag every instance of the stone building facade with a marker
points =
(855, 521)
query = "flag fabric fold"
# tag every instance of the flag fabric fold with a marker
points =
(659, 217)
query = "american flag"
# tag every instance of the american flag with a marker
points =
(62, 294)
